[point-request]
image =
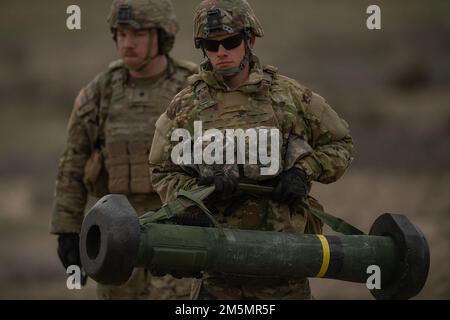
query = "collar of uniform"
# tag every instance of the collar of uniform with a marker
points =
(154, 80)
(217, 81)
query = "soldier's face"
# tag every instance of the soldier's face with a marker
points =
(133, 45)
(223, 58)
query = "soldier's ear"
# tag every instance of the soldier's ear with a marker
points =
(164, 41)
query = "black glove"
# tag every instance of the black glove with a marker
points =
(291, 185)
(69, 252)
(226, 186)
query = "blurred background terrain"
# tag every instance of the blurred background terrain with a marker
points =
(391, 85)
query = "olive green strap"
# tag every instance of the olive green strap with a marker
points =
(196, 197)
(335, 223)
(184, 200)
(193, 196)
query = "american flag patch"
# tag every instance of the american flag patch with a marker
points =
(80, 100)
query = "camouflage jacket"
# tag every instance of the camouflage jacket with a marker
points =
(313, 135)
(111, 116)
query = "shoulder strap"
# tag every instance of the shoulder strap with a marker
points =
(203, 94)
(335, 223)
(267, 81)
(186, 199)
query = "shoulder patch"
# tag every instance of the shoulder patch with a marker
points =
(81, 99)
(85, 101)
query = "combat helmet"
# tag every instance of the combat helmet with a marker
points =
(146, 14)
(226, 16)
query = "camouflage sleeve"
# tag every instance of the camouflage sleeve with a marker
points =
(168, 178)
(329, 137)
(70, 192)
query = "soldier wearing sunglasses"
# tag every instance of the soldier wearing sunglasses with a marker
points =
(234, 90)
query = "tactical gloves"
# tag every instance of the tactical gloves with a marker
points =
(226, 186)
(69, 252)
(291, 185)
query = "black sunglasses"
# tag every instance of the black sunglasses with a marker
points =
(228, 43)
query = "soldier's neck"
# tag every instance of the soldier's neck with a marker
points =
(235, 81)
(156, 66)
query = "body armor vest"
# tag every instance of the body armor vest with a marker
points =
(247, 109)
(132, 112)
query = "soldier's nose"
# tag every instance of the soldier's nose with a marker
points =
(222, 51)
(129, 42)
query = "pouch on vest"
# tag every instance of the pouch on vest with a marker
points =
(118, 167)
(139, 169)
(95, 176)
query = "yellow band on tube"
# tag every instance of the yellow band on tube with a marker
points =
(326, 256)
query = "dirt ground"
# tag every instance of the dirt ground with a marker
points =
(391, 85)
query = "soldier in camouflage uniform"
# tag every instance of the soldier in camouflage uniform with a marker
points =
(111, 129)
(234, 90)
